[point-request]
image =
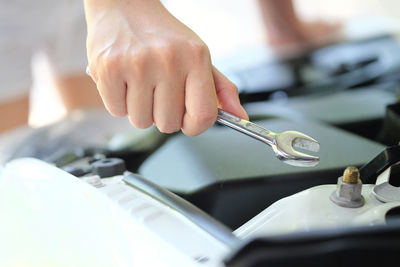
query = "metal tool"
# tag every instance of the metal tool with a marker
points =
(281, 143)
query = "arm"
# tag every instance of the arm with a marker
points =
(285, 29)
(151, 67)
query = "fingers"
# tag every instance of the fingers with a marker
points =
(200, 101)
(139, 103)
(190, 105)
(169, 106)
(113, 93)
(174, 103)
(227, 93)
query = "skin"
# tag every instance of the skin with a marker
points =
(151, 67)
(290, 35)
(14, 113)
(76, 92)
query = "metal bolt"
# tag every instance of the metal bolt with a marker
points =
(349, 189)
(351, 175)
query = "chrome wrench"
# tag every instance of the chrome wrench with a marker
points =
(281, 143)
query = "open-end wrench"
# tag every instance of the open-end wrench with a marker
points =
(281, 143)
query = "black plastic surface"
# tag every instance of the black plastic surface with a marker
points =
(108, 167)
(371, 170)
(221, 155)
(347, 247)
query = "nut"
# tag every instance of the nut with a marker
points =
(348, 190)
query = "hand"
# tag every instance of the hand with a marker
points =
(153, 68)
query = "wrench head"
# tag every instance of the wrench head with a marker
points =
(284, 149)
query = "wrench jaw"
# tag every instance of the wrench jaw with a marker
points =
(298, 160)
(307, 161)
(283, 148)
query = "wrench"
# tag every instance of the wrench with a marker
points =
(281, 143)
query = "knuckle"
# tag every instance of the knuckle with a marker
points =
(110, 66)
(166, 55)
(233, 87)
(199, 51)
(137, 63)
(165, 50)
(112, 61)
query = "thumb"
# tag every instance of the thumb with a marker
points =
(228, 97)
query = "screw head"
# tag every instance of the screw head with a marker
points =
(351, 175)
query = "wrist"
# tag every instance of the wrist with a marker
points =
(137, 7)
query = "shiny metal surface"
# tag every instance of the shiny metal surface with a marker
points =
(281, 143)
(348, 195)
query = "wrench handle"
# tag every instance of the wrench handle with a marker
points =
(246, 127)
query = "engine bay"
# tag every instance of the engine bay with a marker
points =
(239, 205)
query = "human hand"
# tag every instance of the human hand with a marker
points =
(153, 68)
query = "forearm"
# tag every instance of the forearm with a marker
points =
(279, 17)
(134, 9)
(278, 12)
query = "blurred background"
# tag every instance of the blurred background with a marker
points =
(235, 34)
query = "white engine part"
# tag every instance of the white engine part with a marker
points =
(51, 218)
(312, 209)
